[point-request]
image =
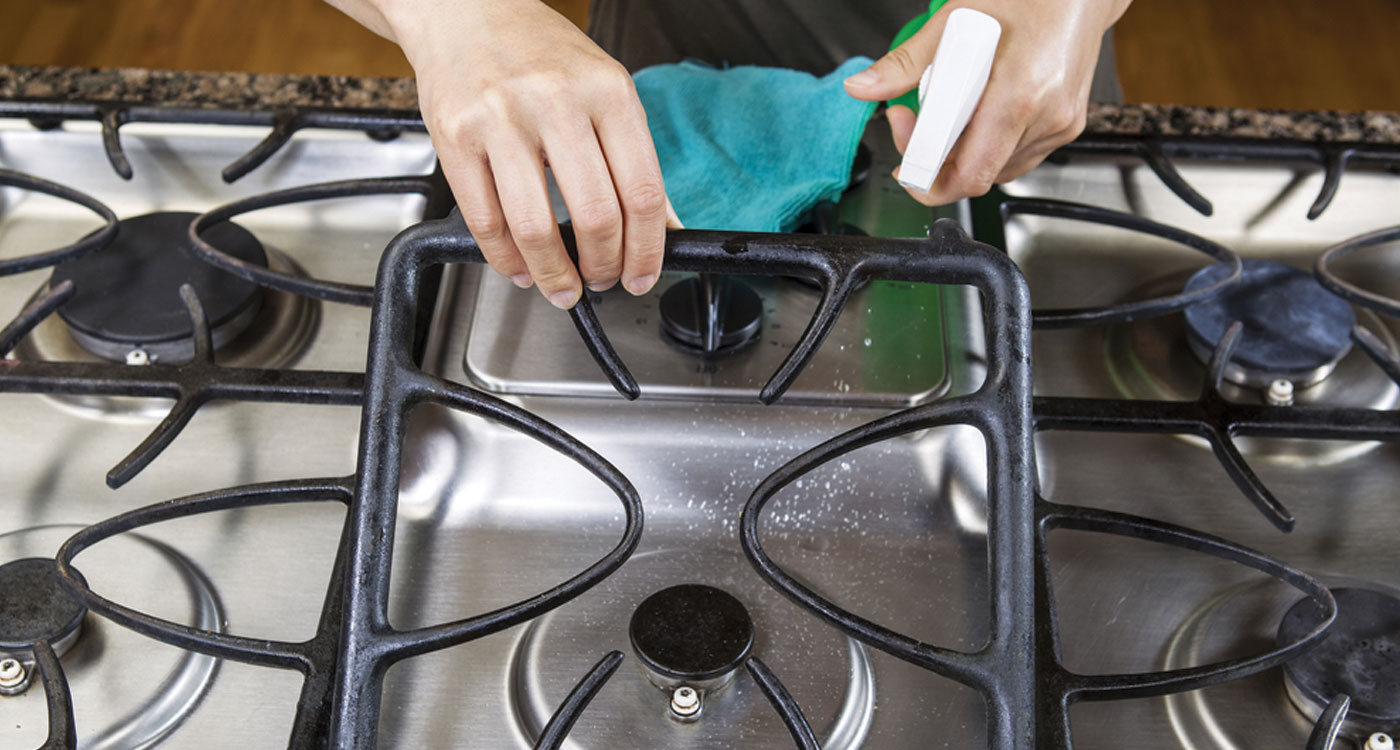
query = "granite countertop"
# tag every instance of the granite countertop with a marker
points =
(183, 89)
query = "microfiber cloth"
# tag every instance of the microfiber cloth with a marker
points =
(750, 148)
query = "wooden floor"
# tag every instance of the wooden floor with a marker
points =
(1314, 54)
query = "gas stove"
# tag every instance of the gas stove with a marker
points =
(1101, 458)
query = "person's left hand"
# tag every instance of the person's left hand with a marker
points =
(1036, 99)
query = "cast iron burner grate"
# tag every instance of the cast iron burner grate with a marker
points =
(1018, 672)
(1027, 689)
(198, 380)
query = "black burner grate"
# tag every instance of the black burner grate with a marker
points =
(1027, 689)
(53, 257)
(378, 123)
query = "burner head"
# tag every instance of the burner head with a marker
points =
(35, 607)
(127, 295)
(691, 635)
(689, 306)
(1359, 657)
(1294, 329)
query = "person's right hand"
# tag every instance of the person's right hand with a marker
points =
(508, 86)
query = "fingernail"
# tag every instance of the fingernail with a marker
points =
(640, 285)
(864, 78)
(601, 286)
(564, 300)
(522, 280)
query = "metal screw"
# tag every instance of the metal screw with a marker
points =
(1379, 741)
(14, 678)
(138, 357)
(685, 702)
(1280, 393)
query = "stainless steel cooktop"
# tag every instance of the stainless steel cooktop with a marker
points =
(896, 531)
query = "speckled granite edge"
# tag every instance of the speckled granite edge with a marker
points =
(183, 89)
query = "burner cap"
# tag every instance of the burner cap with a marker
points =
(35, 607)
(128, 293)
(691, 633)
(685, 314)
(1359, 657)
(1294, 329)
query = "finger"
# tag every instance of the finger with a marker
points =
(902, 121)
(475, 191)
(983, 150)
(583, 179)
(525, 202)
(901, 68)
(631, 156)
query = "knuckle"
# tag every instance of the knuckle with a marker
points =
(493, 103)
(551, 275)
(1064, 119)
(1023, 109)
(485, 226)
(1077, 123)
(534, 230)
(974, 180)
(456, 128)
(605, 268)
(613, 78)
(597, 217)
(647, 197)
(900, 59)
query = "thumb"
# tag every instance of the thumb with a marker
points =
(900, 69)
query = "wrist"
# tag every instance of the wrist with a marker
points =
(421, 26)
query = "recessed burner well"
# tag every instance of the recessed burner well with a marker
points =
(127, 294)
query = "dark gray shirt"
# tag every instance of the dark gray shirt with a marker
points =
(810, 35)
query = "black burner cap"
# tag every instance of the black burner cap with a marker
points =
(1293, 327)
(692, 632)
(128, 293)
(1359, 656)
(685, 314)
(34, 606)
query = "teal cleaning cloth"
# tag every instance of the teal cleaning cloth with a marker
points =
(751, 149)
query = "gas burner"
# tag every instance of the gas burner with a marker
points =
(1153, 359)
(271, 331)
(1265, 710)
(834, 672)
(127, 307)
(1294, 330)
(35, 607)
(711, 315)
(691, 635)
(161, 687)
(1359, 658)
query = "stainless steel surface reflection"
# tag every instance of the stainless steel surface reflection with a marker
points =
(267, 567)
(160, 690)
(889, 348)
(895, 532)
(1127, 606)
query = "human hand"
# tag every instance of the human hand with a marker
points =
(1036, 99)
(508, 86)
